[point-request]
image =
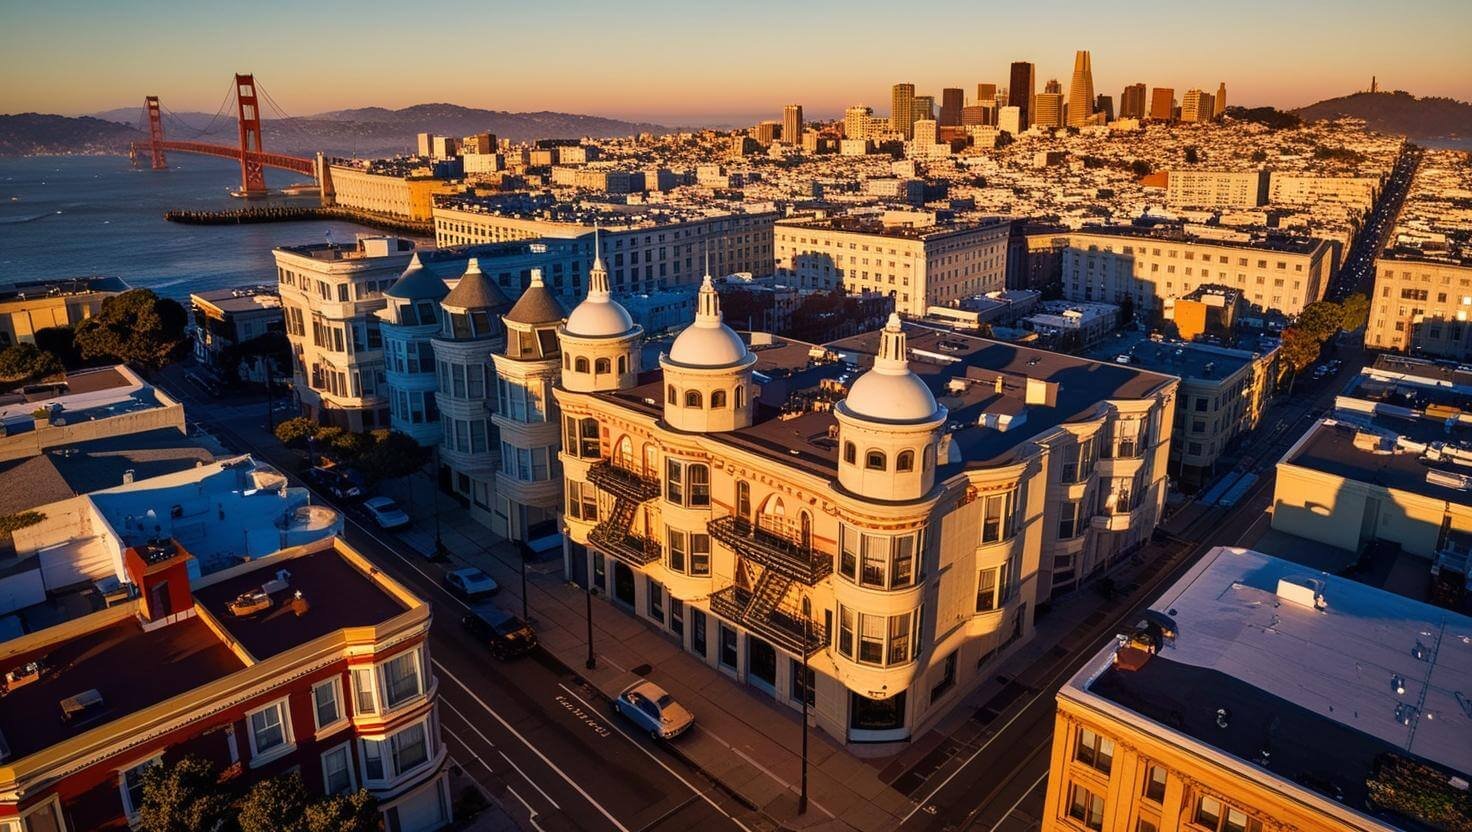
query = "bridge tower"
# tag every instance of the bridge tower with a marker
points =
(252, 170)
(155, 132)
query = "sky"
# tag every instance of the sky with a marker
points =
(701, 62)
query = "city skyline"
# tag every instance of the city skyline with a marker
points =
(1298, 57)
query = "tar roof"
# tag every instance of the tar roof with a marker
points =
(130, 668)
(337, 595)
(1202, 362)
(1305, 683)
(69, 470)
(1330, 446)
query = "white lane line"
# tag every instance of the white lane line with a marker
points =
(1013, 807)
(524, 741)
(662, 764)
(531, 813)
(478, 733)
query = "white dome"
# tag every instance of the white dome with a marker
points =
(890, 398)
(599, 319)
(704, 346)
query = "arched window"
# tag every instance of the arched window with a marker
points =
(850, 453)
(623, 364)
(671, 396)
(581, 365)
(874, 460)
(743, 499)
(717, 399)
(566, 361)
(740, 396)
(651, 460)
(805, 525)
(905, 461)
(929, 457)
(623, 454)
(602, 365)
(692, 398)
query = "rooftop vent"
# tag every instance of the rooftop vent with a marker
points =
(81, 708)
(157, 551)
(1303, 592)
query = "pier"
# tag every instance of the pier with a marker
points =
(304, 213)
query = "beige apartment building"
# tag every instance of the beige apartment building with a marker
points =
(644, 252)
(1197, 106)
(400, 193)
(29, 306)
(1421, 306)
(1216, 188)
(903, 254)
(896, 525)
(1111, 264)
(1359, 192)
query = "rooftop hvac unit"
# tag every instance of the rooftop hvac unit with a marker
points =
(81, 707)
(1303, 592)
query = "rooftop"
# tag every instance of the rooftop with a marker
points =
(1189, 360)
(245, 299)
(63, 472)
(82, 396)
(66, 287)
(1318, 690)
(877, 227)
(1416, 455)
(1283, 243)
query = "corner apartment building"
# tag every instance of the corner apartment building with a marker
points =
(1216, 188)
(1111, 264)
(396, 188)
(1258, 696)
(1420, 306)
(226, 318)
(646, 250)
(906, 255)
(891, 507)
(309, 659)
(31, 305)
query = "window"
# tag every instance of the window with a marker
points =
(677, 616)
(401, 679)
(1078, 461)
(692, 398)
(1085, 807)
(874, 460)
(905, 461)
(1155, 783)
(270, 732)
(363, 699)
(728, 647)
(877, 639)
(1094, 750)
(1069, 526)
(687, 483)
(697, 631)
(718, 399)
(947, 678)
(580, 365)
(1144, 825)
(997, 519)
(743, 499)
(1222, 817)
(410, 748)
(602, 365)
(582, 501)
(671, 396)
(130, 783)
(699, 554)
(993, 587)
(327, 703)
(655, 602)
(881, 561)
(850, 453)
(337, 771)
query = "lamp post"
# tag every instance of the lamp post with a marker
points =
(524, 612)
(434, 494)
(807, 691)
(592, 661)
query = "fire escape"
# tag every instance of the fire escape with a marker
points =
(784, 558)
(615, 535)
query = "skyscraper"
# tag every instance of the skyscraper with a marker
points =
(986, 92)
(1132, 101)
(1196, 106)
(1048, 105)
(1021, 86)
(1053, 86)
(952, 99)
(1081, 90)
(856, 122)
(902, 110)
(792, 125)
(924, 107)
(1163, 104)
(1219, 103)
(1104, 104)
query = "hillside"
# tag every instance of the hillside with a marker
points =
(1397, 112)
(28, 134)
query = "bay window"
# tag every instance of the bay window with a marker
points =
(582, 501)
(998, 516)
(879, 561)
(689, 552)
(878, 639)
(993, 587)
(1078, 461)
(1069, 525)
(687, 483)
(580, 437)
(402, 680)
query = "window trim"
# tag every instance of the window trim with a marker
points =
(288, 736)
(345, 747)
(381, 668)
(370, 673)
(342, 716)
(129, 810)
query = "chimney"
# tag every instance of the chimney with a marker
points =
(160, 570)
(997, 385)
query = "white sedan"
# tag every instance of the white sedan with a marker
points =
(386, 513)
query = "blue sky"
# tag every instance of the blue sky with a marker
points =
(692, 62)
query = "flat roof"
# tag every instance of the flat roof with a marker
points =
(131, 669)
(1330, 447)
(1199, 362)
(85, 467)
(63, 287)
(1285, 244)
(876, 227)
(337, 595)
(1315, 688)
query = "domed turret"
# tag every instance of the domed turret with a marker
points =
(599, 315)
(537, 305)
(889, 426)
(707, 372)
(600, 342)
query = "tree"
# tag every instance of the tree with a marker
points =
(60, 341)
(356, 812)
(23, 362)
(276, 804)
(296, 430)
(137, 327)
(1140, 167)
(1192, 155)
(1356, 312)
(1321, 319)
(183, 797)
(393, 455)
(1259, 155)
(1298, 351)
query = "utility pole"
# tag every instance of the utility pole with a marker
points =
(592, 661)
(434, 494)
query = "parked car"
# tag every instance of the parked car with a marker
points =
(386, 513)
(654, 710)
(341, 483)
(471, 583)
(506, 635)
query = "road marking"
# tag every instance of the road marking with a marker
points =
(1013, 807)
(582, 716)
(478, 733)
(524, 741)
(662, 764)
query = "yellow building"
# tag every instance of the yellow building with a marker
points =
(1420, 305)
(890, 507)
(34, 305)
(407, 193)
(1257, 696)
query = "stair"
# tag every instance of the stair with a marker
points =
(769, 591)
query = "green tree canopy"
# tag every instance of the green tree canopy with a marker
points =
(295, 431)
(356, 812)
(393, 455)
(277, 804)
(60, 341)
(136, 327)
(1299, 350)
(1356, 312)
(183, 797)
(23, 362)
(1321, 319)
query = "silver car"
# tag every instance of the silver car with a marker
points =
(654, 710)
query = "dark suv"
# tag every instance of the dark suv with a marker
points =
(340, 483)
(506, 635)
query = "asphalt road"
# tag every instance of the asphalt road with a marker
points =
(528, 730)
(1357, 272)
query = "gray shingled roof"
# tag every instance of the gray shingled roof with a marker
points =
(476, 291)
(537, 305)
(417, 283)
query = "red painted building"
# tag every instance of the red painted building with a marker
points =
(307, 659)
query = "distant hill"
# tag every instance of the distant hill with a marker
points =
(29, 134)
(1397, 112)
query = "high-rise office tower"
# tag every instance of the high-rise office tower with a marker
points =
(1104, 104)
(1163, 104)
(1022, 85)
(902, 110)
(1196, 106)
(1132, 101)
(952, 99)
(792, 125)
(1048, 106)
(1219, 103)
(986, 92)
(1081, 90)
(765, 132)
(1053, 86)
(924, 107)
(856, 122)
(975, 115)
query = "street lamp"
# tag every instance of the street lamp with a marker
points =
(524, 613)
(592, 661)
(434, 494)
(807, 691)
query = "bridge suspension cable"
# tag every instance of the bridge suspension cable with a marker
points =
(220, 111)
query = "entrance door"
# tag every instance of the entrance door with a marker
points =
(623, 583)
(761, 663)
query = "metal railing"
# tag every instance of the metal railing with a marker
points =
(772, 549)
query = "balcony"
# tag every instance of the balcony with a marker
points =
(773, 550)
(618, 542)
(734, 604)
(621, 482)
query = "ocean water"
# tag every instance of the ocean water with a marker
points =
(69, 216)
